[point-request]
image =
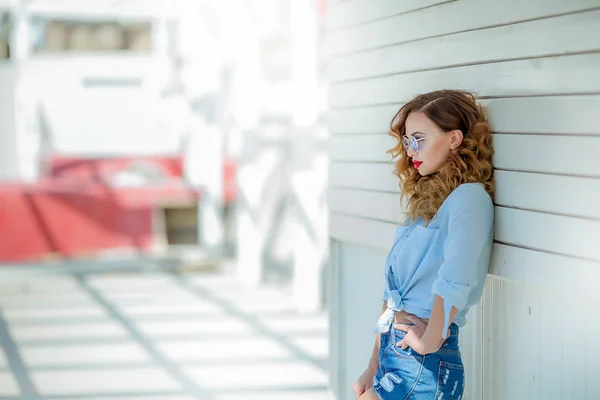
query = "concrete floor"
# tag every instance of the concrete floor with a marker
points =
(156, 336)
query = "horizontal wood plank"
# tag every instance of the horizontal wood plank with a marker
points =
(576, 237)
(552, 114)
(545, 271)
(362, 231)
(533, 77)
(548, 154)
(368, 119)
(347, 13)
(565, 195)
(362, 203)
(365, 176)
(443, 20)
(542, 38)
(362, 147)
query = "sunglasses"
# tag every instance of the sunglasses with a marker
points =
(412, 143)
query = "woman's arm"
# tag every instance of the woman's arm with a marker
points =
(432, 338)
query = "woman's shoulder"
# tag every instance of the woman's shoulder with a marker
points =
(469, 195)
(471, 191)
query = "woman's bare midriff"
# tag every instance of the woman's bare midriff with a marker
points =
(401, 318)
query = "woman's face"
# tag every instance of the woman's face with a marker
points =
(433, 145)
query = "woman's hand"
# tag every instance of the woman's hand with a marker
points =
(414, 333)
(414, 336)
(365, 382)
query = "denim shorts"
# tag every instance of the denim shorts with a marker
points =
(405, 374)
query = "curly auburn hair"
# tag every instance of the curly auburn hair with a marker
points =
(471, 162)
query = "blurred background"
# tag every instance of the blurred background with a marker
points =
(160, 160)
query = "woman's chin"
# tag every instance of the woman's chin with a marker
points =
(422, 171)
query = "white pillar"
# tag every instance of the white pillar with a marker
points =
(309, 180)
(205, 159)
(201, 72)
(26, 130)
(254, 163)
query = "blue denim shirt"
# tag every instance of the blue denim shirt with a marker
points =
(450, 257)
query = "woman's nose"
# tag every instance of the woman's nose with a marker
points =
(411, 152)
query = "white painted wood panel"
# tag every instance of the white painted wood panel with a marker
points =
(362, 147)
(552, 36)
(549, 193)
(444, 20)
(368, 232)
(573, 115)
(347, 13)
(363, 203)
(359, 267)
(364, 176)
(374, 119)
(577, 155)
(536, 76)
(576, 237)
(336, 321)
(528, 354)
(566, 115)
(546, 271)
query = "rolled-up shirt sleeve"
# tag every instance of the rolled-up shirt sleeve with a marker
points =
(386, 294)
(466, 250)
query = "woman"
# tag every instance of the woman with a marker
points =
(436, 268)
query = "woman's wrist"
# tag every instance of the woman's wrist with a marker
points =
(428, 345)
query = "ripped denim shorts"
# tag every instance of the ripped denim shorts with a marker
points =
(405, 374)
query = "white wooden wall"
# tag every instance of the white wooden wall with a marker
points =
(536, 66)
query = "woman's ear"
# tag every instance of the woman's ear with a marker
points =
(456, 138)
